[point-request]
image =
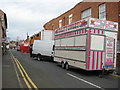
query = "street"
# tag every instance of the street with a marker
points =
(48, 74)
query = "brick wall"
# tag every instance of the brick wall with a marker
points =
(112, 9)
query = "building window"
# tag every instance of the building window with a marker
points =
(60, 23)
(102, 11)
(70, 18)
(86, 14)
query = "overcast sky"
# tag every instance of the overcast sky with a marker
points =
(30, 15)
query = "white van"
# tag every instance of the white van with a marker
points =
(43, 49)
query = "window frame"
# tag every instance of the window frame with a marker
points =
(60, 23)
(70, 18)
(102, 12)
(88, 15)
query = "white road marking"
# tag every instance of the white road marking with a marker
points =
(85, 81)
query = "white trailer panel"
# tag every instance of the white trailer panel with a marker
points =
(71, 62)
(78, 55)
(70, 41)
(57, 42)
(77, 64)
(80, 40)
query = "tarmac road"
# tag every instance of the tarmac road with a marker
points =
(46, 74)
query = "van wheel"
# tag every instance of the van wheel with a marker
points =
(66, 66)
(39, 57)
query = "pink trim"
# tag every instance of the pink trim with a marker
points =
(108, 65)
(98, 31)
(85, 30)
(102, 32)
(90, 30)
(101, 55)
(92, 60)
(97, 61)
(94, 30)
(69, 46)
(77, 32)
(82, 31)
(114, 54)
(88, 63)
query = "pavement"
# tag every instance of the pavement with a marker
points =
(9, 77)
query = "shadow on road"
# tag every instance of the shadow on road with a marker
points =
(83, 72)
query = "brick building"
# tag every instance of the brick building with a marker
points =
(3, 27)
(102, 10)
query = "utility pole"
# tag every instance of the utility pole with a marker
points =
(27, 36)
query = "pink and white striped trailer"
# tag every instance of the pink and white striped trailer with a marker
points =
(89, 44)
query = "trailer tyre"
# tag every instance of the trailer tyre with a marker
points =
(66, 66)
(62, 64)
(100, 75)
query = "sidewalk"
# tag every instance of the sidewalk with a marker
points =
(9, 77)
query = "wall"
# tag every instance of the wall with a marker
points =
(112, 9)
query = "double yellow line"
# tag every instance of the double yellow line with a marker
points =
(115, 75)
(24, 74)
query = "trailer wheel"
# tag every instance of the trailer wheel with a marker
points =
(114, 72)
(39, 57)
(66, 66)
(62, 64)
(102, 73)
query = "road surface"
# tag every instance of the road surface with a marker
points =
(47, 74)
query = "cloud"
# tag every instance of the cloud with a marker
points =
(30, 15)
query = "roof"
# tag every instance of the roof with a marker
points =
(62, 14)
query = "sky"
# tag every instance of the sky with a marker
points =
(30, 15)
